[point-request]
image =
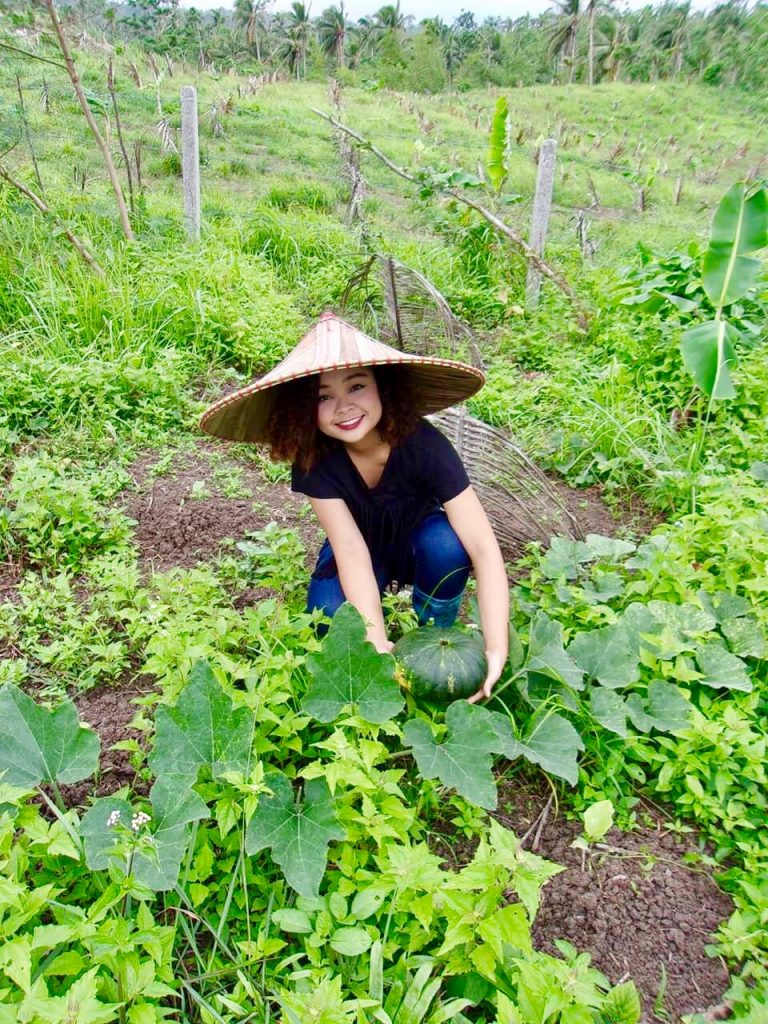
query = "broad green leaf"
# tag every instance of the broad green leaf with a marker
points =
(160, 845)
(724, 607)
(350, 941)
(462, 760)
(291, 920)
(37, 745)
(547, 655)
(203, 728)
(622, 1005)
(665, 708)
(603, 587)
(598, 819)
(709, 353)
(668, 705)
(609, 710)
(610, 655)
(722, 669)
(552, 743)
(350, 671)
(563, 558)
(745, 637)
(298, 834)
(686, 619)
(367, 902)
(80, 1003)
(611, 548)
(740, 225)
(497, 144)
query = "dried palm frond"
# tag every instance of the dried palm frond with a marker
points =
(522, 504)
(214, 121)
(164, 132)
(417, 317)
(45, 97)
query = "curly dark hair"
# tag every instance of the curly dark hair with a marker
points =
(292, 426)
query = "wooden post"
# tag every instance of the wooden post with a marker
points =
(190, 161)
(542, 205)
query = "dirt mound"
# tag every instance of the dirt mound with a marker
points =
(203, 498)
(634, 904)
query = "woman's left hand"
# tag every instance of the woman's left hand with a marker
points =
(495, 667)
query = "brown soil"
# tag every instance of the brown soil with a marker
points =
(632, 902)
(109, 711)
(183, 517)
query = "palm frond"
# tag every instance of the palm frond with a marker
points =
(522, 503)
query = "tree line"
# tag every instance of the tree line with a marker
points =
(588, 41)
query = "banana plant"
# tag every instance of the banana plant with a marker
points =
(496, 165)
(740, 227)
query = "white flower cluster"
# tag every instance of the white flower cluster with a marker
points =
(139, 819)
(113, 819)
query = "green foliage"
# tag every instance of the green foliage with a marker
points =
(43, 746)
(52, 517)
(298, 834)
(496, 165)
(350, 673)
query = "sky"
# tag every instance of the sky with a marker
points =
(448, 10)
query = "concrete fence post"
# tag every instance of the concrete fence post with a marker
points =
(190, 161)
(542, 206)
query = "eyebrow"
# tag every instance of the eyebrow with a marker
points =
(350, 376)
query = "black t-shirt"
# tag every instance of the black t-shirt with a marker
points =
(420, 475)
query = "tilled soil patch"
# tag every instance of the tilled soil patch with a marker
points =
(183, 516)
(634, 904)
(109, 710)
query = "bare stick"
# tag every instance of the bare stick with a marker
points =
(542, 205)
(28, 136)
(119, 127)
(44, 208)
(190, 160)
(75, 79)
(504, 229)
(34, 56)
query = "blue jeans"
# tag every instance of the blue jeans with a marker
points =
(440, 572)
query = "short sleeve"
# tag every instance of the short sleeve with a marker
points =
(442, 465)
(315, 483)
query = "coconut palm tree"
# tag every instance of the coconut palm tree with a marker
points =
(249, 15)
(672, 33)
(295, 27)
(390, 21)
(592, 6)
(562, 41)
(332, 32)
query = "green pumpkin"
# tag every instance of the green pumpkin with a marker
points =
(441, 664)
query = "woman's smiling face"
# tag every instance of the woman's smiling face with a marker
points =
(348, 405)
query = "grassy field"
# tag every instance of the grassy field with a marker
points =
(133, 555)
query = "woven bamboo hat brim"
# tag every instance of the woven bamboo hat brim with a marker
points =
(334, 344)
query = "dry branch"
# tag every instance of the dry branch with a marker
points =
(119, 127)
(75, 79)
(504, 229)
(28, 135)
(44, 208)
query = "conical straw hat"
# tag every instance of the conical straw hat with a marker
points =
(334, 344)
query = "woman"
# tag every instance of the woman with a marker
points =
(387, 487)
